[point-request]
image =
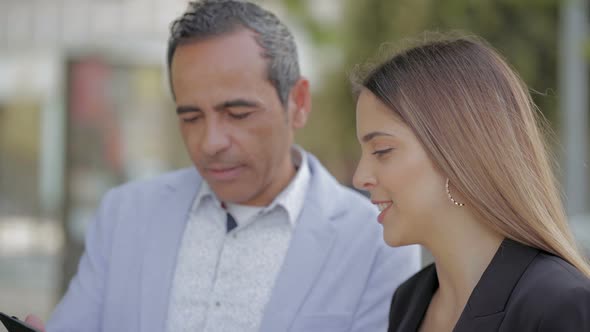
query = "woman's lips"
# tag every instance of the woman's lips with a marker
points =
(383, 207)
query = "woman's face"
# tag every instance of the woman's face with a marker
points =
(396, 170)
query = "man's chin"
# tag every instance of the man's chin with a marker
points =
(229, 194)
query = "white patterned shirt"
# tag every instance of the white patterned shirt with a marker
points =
(223, 280)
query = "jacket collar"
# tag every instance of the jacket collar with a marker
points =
(165, 225)
(485, 308)
(310, 247)
(486, 305)
(419, 299)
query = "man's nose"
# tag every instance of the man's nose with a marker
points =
(216, 138)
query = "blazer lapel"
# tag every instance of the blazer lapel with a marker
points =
(165, 228)
(310, 246)
(485, 308)
(417, 301)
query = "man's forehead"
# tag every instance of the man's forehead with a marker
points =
(233, 39)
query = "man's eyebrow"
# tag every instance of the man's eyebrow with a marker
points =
(187, 109)
(374, 134)
(239, 102)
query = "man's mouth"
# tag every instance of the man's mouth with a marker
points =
(224, 173)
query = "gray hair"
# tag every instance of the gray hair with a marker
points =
(210, 18)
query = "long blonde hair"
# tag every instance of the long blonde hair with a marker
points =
(476, 120)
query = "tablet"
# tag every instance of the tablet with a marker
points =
(13, 324)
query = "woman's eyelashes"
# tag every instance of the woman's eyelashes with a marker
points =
(382, 152)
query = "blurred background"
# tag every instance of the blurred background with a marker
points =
(85, 105)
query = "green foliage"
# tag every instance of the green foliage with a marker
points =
(524, 31)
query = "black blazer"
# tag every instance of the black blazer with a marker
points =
(523, 289)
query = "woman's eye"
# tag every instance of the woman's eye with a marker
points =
(382, 152)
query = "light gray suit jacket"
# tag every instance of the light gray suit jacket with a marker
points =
(338, 274)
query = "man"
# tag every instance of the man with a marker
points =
(259, 237)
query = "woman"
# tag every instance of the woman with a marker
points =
(452, 155)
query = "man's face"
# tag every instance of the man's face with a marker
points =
(236, 131)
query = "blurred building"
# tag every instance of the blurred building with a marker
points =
(84, 106)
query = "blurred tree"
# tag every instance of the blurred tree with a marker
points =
(524, 31)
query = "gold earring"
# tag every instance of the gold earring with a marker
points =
(451, 196)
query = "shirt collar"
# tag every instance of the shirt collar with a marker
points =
(291, 199)
(205, 193)
(293, 196)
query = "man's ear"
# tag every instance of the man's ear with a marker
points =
(299, 103)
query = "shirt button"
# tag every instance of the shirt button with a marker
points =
(235, 236)
(218, 304)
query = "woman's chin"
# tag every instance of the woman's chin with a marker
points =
(397, 241)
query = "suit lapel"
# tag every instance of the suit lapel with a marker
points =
(165, 227)
(310, 246)
(485, 308)
(305, 258)
(416, 301)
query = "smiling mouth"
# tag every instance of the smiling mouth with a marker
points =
(383, 205)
